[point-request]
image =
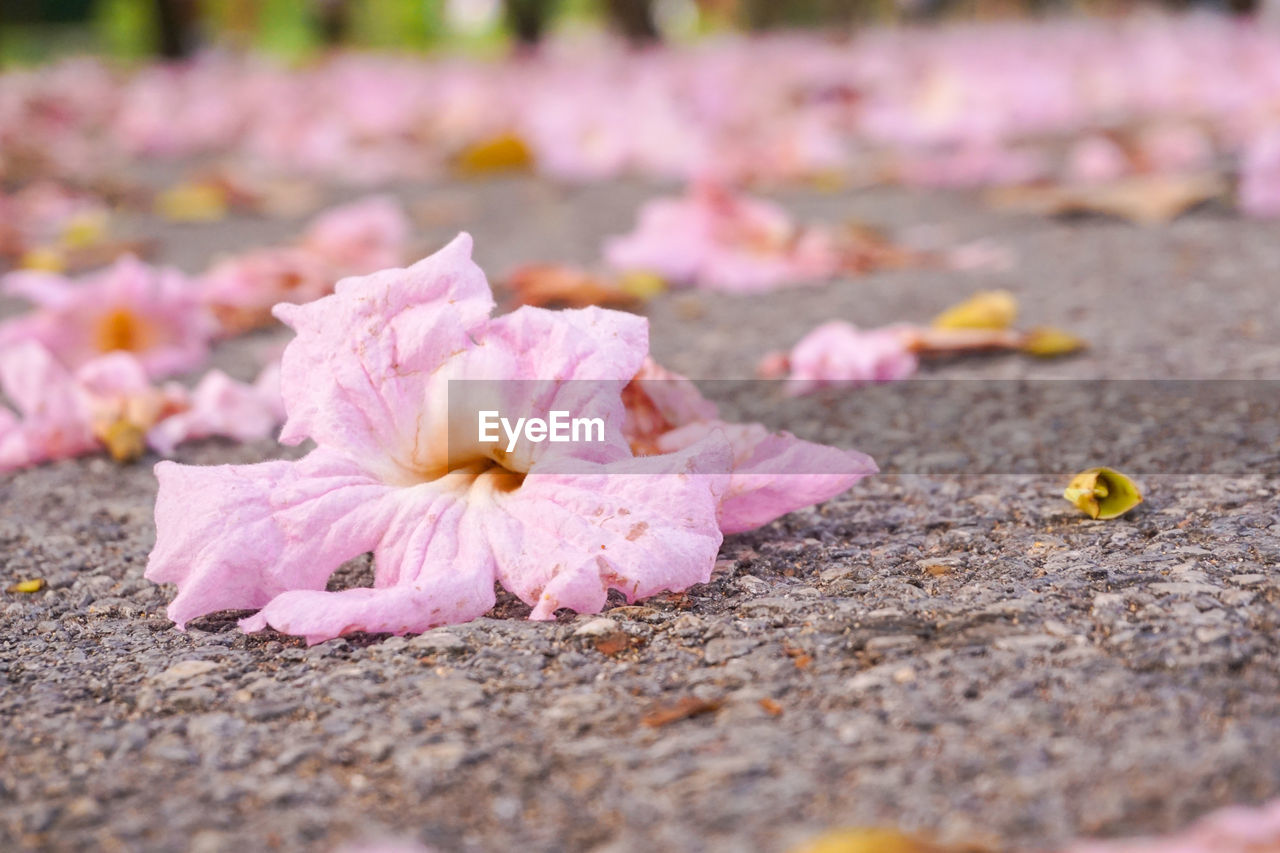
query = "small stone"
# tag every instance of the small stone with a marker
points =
(439, 642)
(1247, 580)
(906, 675)
(184, 670)
(600, 627)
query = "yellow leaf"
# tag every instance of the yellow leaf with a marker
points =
(84, 230)
(506, 152)
(987, 309)
(44, 259)
(642, 285)
(193, 202)
(1103, 493)
(1047, 342)
(866, 841)
(1143, 199)
(33, 585)
(125, 440)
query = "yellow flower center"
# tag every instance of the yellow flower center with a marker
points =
(121, 329)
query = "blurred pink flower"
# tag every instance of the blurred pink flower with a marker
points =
(109, 402)
(838, 353)
(1236, 829)
(1260, 176)
(714, 238)
(1096, 160)
(241, 290)
(364, 236)
(154, 314)
(399, 472)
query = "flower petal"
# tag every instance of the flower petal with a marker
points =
(236, 536)
(640, 526)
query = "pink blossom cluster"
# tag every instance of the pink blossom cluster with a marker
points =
(398, 468)
(44, 213)
(1084, 100)
(82, 363)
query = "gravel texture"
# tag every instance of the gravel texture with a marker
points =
(965, 655)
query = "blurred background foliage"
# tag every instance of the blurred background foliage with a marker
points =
(38, 30)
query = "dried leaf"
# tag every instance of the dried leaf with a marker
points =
(27, 586)
(987, 309)
(194, 201)
(85, 230)
(1145, 199)
(870, 841)
(1103, 493)
(124, 440)
(1048, 342)
(44, 259)
(771, 707)
(506, 152)
(689, 706)
(565, 286)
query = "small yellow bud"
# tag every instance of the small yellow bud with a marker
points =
(1103, 493)
(124, 440)
(28, 586)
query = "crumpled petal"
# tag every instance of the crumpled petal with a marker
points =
(353, 378)
(839, 353)
(236, 536)
(219, 406)
(640, 526)
(52, 419)
(773, 473)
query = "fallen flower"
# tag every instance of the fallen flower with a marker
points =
(1103, 493)
(152, 313)
(364, 236)
(840, 354)
(109, 403)
(444, 515)
(714, 238)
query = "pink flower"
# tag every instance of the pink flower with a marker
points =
(1260, 176)
(722, 241)
(110, 403)
(154, 314)
(221, 406)
(399, 472)
(241, 290)
(1236, 829)
(838, 353)
(358, 238)
(1097, 160)
(51, 421)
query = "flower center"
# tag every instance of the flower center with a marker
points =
(121, 329)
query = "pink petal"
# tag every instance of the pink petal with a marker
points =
(773, 473)
(354, 376)
(236, 536)
(640, 526)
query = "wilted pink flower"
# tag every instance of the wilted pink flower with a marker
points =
(1097, 160)
(52, 419)
(716, 239)
(1236, 829)
(241, 289)
(839, 353)
(1260, 176)
(109, 402)
(154, 314)
(400, 473)
(222, 406)
(358, 238)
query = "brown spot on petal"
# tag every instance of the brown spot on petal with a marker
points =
(637, 530)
